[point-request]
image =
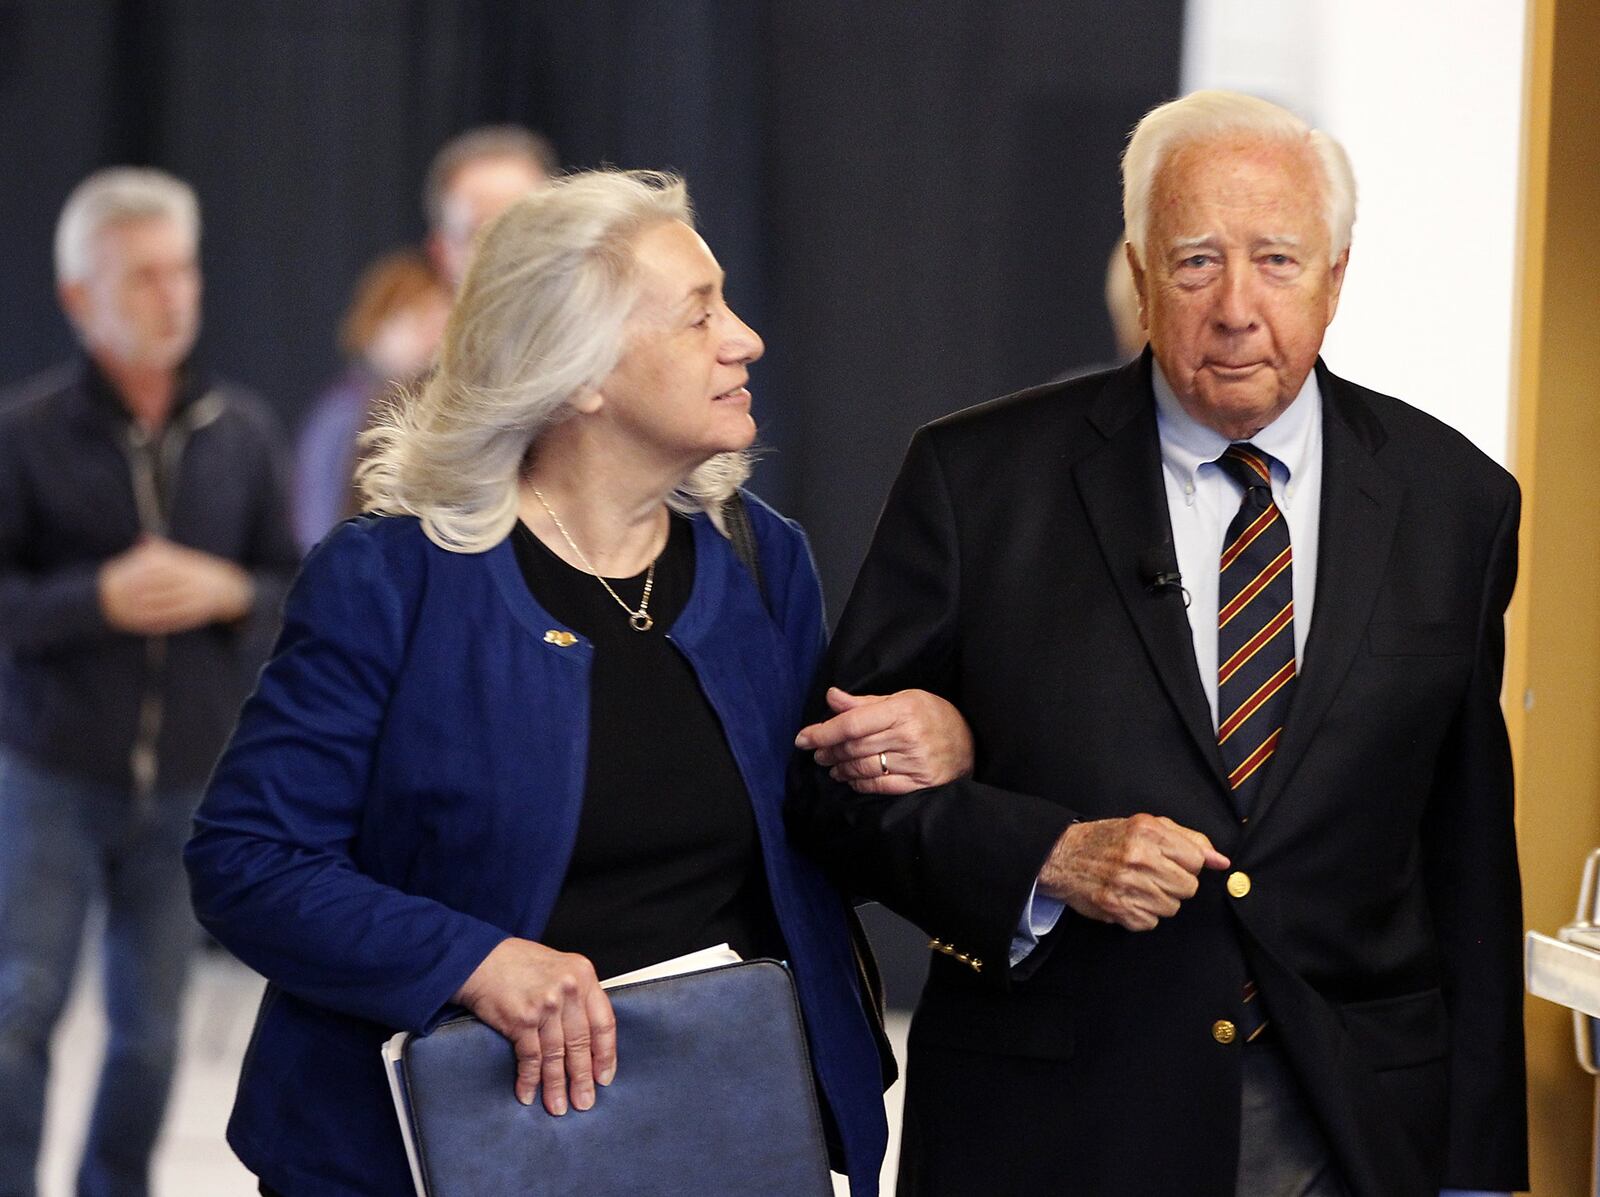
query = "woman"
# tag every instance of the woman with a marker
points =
(531, 727)
(389, 337)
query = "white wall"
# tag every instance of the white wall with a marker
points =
(1426, 96)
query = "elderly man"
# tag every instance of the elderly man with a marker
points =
(144, 551)
(1230, 902)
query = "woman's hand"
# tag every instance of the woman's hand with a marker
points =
(549, 1004)
(890, 743)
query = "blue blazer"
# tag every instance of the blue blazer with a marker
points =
(402, 793)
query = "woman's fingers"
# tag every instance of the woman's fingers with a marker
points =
(553, 1056)
(526, 1047)
(577, 1040)
(603, 1035)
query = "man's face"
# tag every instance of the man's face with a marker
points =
(1236, 289)
(480, 190)
(139, 306)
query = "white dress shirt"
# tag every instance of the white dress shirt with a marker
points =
(1202, 500)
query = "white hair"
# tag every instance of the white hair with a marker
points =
(540, 320)
(1208, 115)
(117, 195)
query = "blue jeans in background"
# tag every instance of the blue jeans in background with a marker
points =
(64, 844)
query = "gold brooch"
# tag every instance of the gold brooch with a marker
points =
(560, 638)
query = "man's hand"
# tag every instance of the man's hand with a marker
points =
(1133, 872)
(920, 737)
(158, 587)
(559, 1021)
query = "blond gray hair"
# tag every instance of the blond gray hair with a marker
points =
(1208, 115)
(117, 195)
(540, 320)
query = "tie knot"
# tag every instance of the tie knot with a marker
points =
(1247, 465)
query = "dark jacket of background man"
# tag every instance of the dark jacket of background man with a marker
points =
(72, 689)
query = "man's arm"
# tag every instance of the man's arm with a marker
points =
(960, 859)
(39, 610)
(1470, 859)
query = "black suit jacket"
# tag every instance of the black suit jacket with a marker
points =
(1383, 920)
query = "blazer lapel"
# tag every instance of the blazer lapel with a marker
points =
(1123, 495)
(1360, 508)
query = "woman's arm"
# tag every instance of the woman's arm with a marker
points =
(271, 863)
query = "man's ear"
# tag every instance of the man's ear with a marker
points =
(1336, 282)
(74, 301)
(1140, 283)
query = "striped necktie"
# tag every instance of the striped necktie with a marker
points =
(1255, 627)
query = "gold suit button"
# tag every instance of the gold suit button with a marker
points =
(1238, 884)
(1224, 1031)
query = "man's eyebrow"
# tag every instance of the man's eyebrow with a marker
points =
(1208, 241)
(1286, 239)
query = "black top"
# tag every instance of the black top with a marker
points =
(666, 859)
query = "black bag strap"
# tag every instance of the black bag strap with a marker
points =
(742, 535)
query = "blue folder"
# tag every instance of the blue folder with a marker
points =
(713, 1094)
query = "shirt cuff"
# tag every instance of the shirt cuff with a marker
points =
(1038, 919)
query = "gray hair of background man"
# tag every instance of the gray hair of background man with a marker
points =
(487, 141)
(1209, 115)
(117, 195)
(540, 319)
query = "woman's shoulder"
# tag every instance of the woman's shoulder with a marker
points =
(369, 552)
(769, 523)
(784, 549)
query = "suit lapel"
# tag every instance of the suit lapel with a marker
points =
(1360, 507)
(1125, 499)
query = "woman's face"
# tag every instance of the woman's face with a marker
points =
(680, 386)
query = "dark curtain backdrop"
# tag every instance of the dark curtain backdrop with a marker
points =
(914, 201)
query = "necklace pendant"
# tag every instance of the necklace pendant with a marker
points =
(640, 621)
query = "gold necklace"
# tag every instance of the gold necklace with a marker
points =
(639, 620)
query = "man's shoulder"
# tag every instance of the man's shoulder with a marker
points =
(245, 406)
(1411, 443)
(41, 396)
(1059, 405)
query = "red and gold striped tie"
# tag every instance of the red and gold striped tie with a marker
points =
(1255, 627)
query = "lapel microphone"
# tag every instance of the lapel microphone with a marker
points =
(1158, 571)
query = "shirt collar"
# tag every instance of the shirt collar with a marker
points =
(193, 382)
(1187, 444)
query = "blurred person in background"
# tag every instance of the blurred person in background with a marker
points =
(529, 723)
(393, 327)
(144, 553)
(389, 336)
(474, 177)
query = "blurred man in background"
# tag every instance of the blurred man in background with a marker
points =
(474, 177)
(396, 317)
(144, 552)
